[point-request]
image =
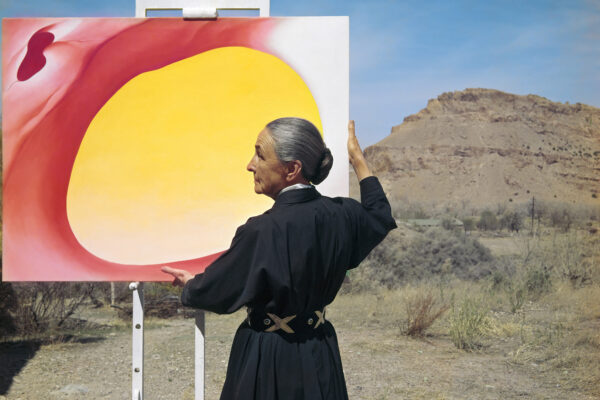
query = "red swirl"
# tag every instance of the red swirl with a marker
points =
(48, 106)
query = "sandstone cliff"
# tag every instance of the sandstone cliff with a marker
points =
(481, 147)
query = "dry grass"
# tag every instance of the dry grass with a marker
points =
(547, 348)
(564, 333)
(421, 312)
(523, 355)
(554, 330)
(469, 323)
(558, 330)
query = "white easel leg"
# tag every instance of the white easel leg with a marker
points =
(137, 355)
(199, 356)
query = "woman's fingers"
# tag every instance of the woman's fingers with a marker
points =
(353, 146)
(351, 131)
(168, 270)
(178, 274)
(181, 275)
(355, 154)
(352, 141)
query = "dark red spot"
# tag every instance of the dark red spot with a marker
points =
(34, 60)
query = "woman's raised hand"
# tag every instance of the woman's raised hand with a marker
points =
(357, 159)
(181, 276)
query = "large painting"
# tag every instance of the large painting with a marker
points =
(125, 141)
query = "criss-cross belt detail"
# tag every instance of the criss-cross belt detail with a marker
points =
(270, 322)
(321, 315)
(280, 323)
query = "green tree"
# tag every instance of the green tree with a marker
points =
(468, 224)
(561, 218)
(487, 221)
(512, 220)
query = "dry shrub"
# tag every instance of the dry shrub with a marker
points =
(563, 216)
(574, 256)
(571, 257)
(45, 306)
(405, 209)
(420, 256)
(421, 313)
(516, 296)
(161, 300)
(537, 281)
(8, 305)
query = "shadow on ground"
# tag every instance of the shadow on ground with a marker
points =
(14, 356)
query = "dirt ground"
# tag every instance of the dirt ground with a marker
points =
(379, 362)
(548, 349)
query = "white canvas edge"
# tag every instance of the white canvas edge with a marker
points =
(318, 49)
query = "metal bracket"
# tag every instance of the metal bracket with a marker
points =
(199, 334)
(137, 342)
(201, 8)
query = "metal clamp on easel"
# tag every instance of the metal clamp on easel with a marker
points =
(201, 9)
(200, 13)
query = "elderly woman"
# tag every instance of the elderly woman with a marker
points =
(287, 264)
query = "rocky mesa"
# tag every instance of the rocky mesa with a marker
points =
(482, 147)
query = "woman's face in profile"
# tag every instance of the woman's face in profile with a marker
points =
(269, 172)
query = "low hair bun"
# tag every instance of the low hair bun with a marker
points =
(324, 167)
(299, 139)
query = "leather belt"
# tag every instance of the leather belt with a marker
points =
(297, 323)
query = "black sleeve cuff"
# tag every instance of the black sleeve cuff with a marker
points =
(370, 190)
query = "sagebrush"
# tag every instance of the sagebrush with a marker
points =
(422, 310)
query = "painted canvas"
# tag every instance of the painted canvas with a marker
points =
(125, 141)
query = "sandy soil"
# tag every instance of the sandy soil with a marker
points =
(379, 363)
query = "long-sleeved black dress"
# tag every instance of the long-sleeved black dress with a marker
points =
(291, 260)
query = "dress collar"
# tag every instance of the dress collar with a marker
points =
(294, 187)
(296, 196)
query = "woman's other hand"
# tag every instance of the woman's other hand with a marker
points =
(181, 276)
(357, 159)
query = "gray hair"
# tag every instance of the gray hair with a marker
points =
(298, 139)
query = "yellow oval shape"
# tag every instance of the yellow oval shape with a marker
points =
(160, 175)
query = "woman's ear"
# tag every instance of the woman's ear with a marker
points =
(294, 171)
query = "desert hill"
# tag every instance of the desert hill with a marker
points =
(481, 147)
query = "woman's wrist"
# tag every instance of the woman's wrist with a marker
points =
(361, 168)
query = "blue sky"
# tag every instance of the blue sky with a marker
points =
(403, 53)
